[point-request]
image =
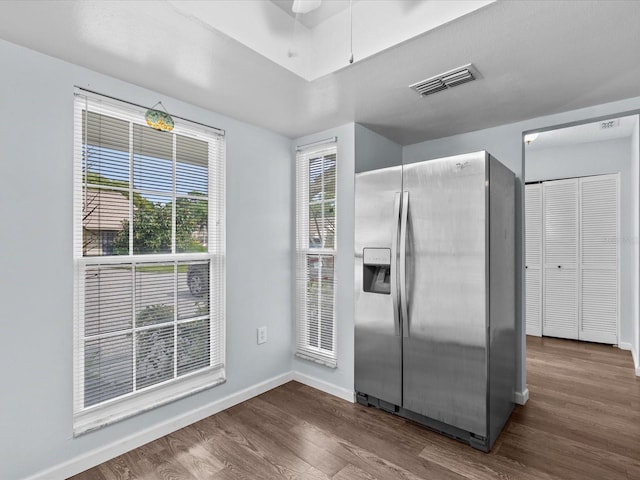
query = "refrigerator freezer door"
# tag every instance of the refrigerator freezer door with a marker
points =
(445, 347)
(378, 341)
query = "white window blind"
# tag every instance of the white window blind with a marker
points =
(316, 252)
(149, 253)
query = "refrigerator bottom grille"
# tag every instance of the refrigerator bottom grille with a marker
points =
(476, 441)
(369, 401)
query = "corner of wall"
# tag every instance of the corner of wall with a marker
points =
(323, 386)
(373, 151)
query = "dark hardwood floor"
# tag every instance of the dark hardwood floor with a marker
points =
(581, 422)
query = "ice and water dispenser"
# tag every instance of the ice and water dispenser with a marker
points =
(376, 272)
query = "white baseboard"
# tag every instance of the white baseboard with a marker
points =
(625, 346)
(107, 452)
(636, 362)
(331, 389)
(521, 397)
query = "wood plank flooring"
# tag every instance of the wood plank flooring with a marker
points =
(581, 422)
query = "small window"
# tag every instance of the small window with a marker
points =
(316, 252)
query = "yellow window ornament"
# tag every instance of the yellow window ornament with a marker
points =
(158, 119)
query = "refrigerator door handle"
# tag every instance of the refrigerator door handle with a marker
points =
(403, 264)
(394, 266)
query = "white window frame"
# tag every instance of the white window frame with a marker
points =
(86, 419)
(302, 347)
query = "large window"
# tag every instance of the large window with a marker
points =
(149, 254)
(316, 252)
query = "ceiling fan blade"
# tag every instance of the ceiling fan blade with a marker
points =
(305, 6)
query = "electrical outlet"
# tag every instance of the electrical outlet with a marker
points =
(262, 335)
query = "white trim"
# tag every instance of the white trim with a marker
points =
(330, 388)
(319, 359)
(107, 452)
(636, 361)
(319, 143)
(521, 398)
(145, 258)
(625, 346)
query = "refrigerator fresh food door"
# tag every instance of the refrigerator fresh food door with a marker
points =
(445, 334)
(378, 340)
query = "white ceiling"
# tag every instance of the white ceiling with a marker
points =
(621, 127)
(536, 58)
(320, 42)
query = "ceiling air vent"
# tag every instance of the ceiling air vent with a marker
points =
(446, 80)
(607, 124)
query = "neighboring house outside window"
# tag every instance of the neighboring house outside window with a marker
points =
(104, 213)
(149, 225)
(316, 251)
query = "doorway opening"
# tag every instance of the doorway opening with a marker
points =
(582, 217)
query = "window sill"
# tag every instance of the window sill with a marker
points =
(100, 416)
(330, 363)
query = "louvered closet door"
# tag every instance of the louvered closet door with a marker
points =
(599, 258)
(533, 262)
(560, 282)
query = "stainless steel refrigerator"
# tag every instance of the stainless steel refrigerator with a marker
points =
(435, 294)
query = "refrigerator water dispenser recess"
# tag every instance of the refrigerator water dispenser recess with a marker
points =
(376, 271)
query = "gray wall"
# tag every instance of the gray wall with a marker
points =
(374, 151)
(505, 143)
(599, 158)
(581, 160)
(36, 273)
(341, 376)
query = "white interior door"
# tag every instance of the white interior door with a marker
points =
(560, 253)
(533, 258)
(599, 226)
